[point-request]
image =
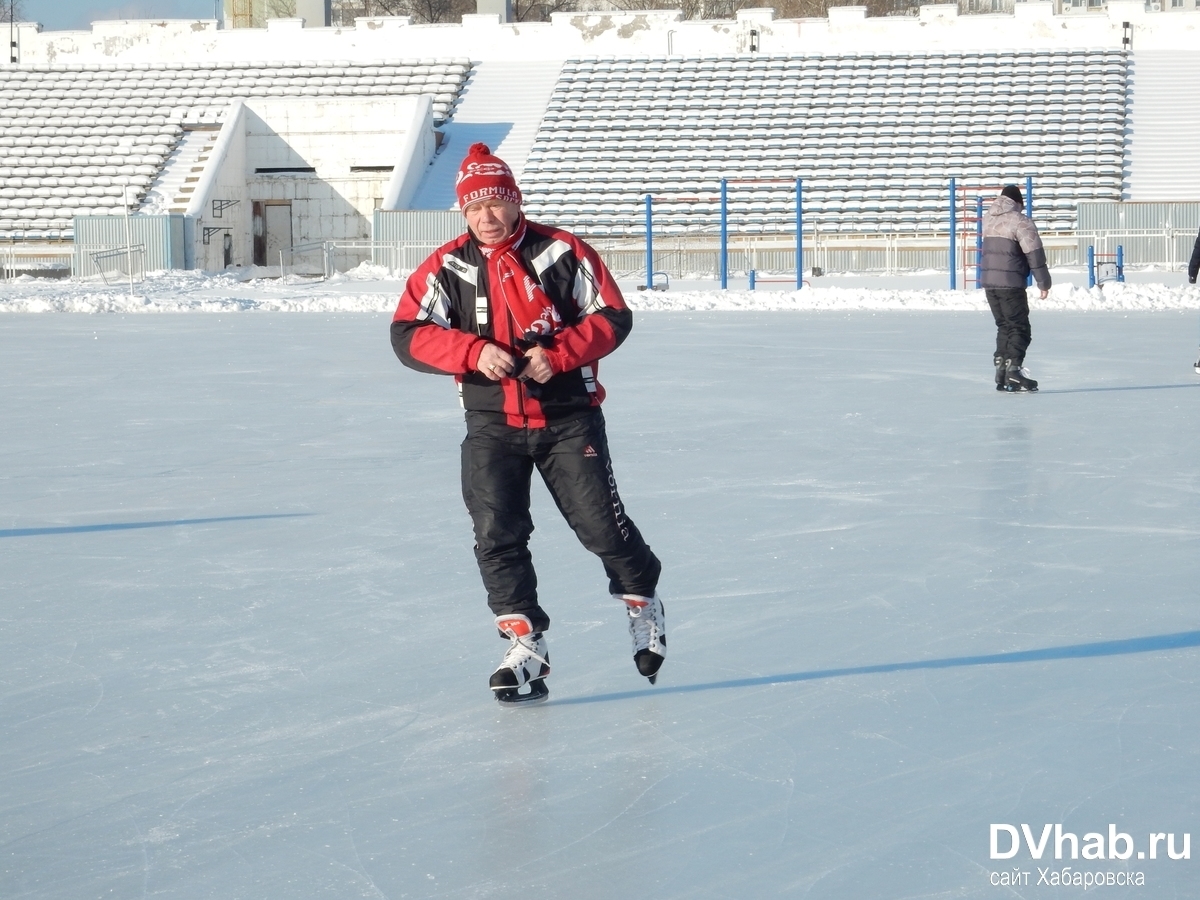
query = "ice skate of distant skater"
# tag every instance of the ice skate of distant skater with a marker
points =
(1017, 380)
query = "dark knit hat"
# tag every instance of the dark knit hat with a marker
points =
(482, 175)
(1013, 193)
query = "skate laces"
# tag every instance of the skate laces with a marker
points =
(644, 620)
(520, 652)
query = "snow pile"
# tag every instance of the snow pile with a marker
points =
(370, 288)
(1123, 296)
(1111, 296)
(364, 290)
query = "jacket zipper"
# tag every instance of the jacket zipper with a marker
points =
(517, 384)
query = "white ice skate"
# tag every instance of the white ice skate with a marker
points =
(648, 628)
(525, 665)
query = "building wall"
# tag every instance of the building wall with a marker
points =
(221, 205)
(322, 210)
(352, 145)
(255, 13)
(653, 34)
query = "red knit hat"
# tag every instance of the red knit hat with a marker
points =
(482, 175)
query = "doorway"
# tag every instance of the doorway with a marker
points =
(272, 230)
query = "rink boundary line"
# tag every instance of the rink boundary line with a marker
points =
(1154, 643)
(1139, 387)
(129, 526)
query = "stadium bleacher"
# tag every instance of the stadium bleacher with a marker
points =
(875, 138)
(76, 136)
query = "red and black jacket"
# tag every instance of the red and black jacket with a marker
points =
(445, 318)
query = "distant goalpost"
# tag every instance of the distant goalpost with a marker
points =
(723, 253)
(966, 205)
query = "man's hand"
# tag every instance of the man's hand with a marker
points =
(495, 362)
(1043, 295)
(538, 369)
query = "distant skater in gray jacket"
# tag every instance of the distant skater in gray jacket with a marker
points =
(1012, 249)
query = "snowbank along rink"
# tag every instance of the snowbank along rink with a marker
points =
(369, 288)
(245, 648)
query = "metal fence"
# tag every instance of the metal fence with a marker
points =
(401, 257)
(697, 255)
(39, 262)
(321, 259)
(1135, 215)
(164, 240)
(314, 259)
(118, 264)
(1168, 247)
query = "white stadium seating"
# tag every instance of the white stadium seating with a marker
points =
(75, 135)
(874, 137)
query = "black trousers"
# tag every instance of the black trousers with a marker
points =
(573, 460)
(1010, 309)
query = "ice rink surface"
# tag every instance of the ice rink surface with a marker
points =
(245, 650)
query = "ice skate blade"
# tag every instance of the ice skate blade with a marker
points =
(510, 696)
(653, 679)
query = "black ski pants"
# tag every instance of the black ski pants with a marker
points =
(572, 458)
(1010, 309)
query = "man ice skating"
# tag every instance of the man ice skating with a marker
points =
(1012, 249)
(520, 313)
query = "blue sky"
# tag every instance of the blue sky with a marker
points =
(59, 15)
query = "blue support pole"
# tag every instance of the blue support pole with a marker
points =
(1091, 265)
(799, 235)
(978, 241)
(1120, 262)
(953, 238)
(724, 235)
(751, 279)
(649, 244)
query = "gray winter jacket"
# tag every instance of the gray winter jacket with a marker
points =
(1012, 248)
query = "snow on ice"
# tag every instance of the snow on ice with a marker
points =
(370, 289)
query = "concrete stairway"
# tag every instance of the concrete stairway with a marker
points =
(171, 191)
(502, 106)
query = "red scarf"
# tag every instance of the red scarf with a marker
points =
(531, 310)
